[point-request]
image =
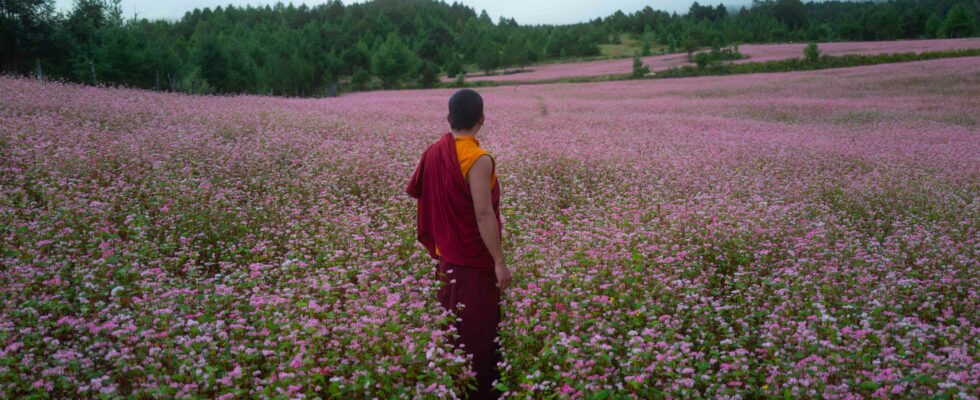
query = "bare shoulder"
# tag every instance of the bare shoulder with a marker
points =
(482, 168)
(485, 160)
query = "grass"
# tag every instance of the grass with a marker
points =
(628, 47)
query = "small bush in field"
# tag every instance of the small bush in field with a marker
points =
(812, 53)
(639, 70)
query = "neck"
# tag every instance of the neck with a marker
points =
(467, 133)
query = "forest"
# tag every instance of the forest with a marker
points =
(323, 50)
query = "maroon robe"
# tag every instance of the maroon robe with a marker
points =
(446, 218)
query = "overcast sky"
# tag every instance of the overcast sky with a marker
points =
(524, 11)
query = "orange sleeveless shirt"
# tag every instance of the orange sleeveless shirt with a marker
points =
(468, 150)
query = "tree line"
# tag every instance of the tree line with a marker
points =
(315, 51)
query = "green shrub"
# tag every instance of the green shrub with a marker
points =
(702, 60)
(812, 53)
(639, 70)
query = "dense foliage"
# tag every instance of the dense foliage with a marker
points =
(307, 51)
(801, 235)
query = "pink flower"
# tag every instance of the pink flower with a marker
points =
(566, 389)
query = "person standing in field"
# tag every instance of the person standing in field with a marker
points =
(458, 196)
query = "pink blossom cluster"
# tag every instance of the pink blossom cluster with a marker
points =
(753, 53)
(803, 235)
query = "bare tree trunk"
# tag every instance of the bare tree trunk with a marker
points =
(38, 72)
(157, 85)
(91, 64)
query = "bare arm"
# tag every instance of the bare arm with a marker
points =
(479, 181)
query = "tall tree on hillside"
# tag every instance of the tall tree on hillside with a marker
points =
(454, 66)
(913, 21)
(117, 52)
(26, 28)
(485, 18)
(83, 26)
(697, 12)
(356, 58)
(790, 12)
(488, 58)
(160, 54)
(210, 56)
(428, 74)
(555, 44)
(959, 22)
(392, 61)
(515, 53)
(883, 23)
(934, 26)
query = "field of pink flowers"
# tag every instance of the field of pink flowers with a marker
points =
(810, 234)
(754, 52)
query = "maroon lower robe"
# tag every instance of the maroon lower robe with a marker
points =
(446, 218)
(476, 291)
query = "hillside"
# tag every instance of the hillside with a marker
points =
(384, 44)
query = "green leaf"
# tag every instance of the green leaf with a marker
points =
(703, 366)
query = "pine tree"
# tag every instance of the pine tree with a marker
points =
(639, 70)
(26, 33)
(812, 53)
(428, 74)
(959, 22)
(488, 58)
(392, 62)
(671, 44)
(453, 67)
(934, 26)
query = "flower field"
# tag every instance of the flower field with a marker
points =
(753, 52)
(806, 234)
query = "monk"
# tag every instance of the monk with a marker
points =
(458, 196)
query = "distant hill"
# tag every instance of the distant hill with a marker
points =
(320, 50)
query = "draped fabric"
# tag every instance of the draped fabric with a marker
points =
(445, 213)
